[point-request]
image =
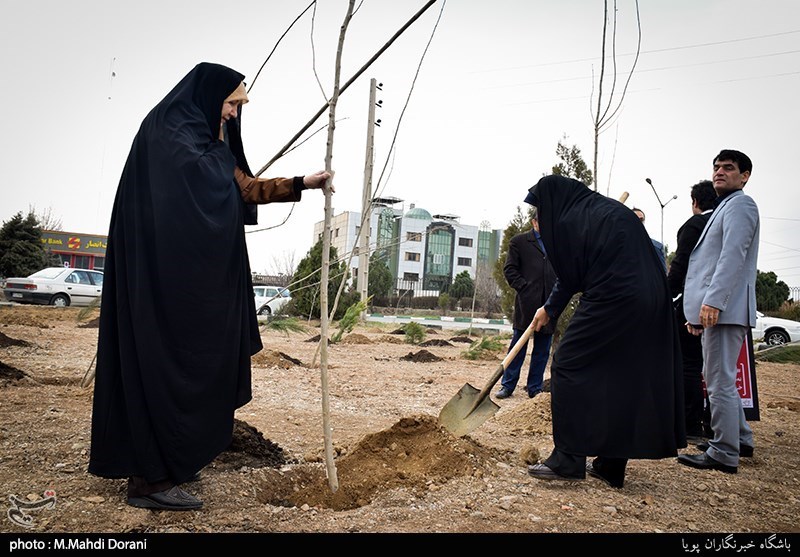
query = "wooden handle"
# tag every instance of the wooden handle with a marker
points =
(624, 197)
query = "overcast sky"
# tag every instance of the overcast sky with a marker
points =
(502, 82)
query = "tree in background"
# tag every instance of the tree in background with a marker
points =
(572, 164)
(380, 277)
(770, 292)
(305, 285)
(462, 287)
(486, 289)
(607, 107)
(21, 250)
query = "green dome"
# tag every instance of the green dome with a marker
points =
(418, 213)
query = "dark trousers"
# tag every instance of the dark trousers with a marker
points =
(694, 400)
(539, 357)
(574, 466)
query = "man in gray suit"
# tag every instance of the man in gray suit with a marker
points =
(720, 303)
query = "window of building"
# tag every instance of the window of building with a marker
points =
(414, 236)
(465, 242)
(465, 261)
(412, 256)
(414, 277)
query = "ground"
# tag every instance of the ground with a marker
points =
(395, 468)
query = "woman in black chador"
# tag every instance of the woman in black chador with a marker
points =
(616, 375)
(177, 322)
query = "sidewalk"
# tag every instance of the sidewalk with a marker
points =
(446, 322)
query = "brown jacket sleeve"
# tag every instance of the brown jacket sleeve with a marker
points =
(271, 190)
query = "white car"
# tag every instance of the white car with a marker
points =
(270, 299)
(774, 330)
(56, 286)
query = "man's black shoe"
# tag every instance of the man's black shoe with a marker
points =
(744, 450)
(544, 472)
(593, 472)
(172, 499)
(705, 462)
(533, 394)
(502, 393)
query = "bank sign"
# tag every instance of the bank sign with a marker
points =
(71, 242)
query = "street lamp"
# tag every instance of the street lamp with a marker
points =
(663, 246)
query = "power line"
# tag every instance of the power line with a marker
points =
(700, 45)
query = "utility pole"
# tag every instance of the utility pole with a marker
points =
(366, 199)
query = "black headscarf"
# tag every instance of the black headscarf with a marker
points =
(616, 376)
(177, 324)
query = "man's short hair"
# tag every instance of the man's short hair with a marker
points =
(742, 161)
(637, 210)
(534, 212)
(704, 195)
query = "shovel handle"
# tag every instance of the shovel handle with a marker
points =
(517, 346)
(498, 373)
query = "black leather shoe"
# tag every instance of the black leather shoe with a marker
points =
(502, 393)
(172, 499)
(544, 472)
(592, 471)
(533, 394)
(705, 462)
(744, 450)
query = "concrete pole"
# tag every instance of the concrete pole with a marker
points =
(366, 200)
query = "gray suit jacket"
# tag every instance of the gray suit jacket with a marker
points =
(722, 266)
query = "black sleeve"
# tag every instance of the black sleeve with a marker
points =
(512, 268)
(297, 184)
(688, 235)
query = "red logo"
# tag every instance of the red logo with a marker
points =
(74, 242)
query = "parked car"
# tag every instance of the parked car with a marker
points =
(270, 299)
(774, 330)
(56, 286)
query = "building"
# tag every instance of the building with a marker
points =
(76, 250)
(424, 252)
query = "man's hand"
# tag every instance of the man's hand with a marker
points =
(693, 329)
(709, 316)
(541, 319)
(318, 180)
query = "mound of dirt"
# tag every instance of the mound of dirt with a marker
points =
(250, 448)
(413, 454)
(421, 356)
(530, 417)
(6, 340)
(431, 331)
(397, 332)
(465, 339)
(391, 340)
(436, 342)
(27, 318)
(93, 324)
(356, 338)
(275, 358)
(10, 374)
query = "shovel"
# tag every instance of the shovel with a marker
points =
(469, 408)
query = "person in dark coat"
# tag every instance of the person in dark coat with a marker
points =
(177, 321)
(703, 198)
(615, 378)
(530, 274)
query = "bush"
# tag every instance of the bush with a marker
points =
(415, 333)
(789, 310)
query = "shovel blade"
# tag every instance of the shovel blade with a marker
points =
(458, 415)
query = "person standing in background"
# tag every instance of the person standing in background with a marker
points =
(703, 197)
(719, 301)
(530, 274)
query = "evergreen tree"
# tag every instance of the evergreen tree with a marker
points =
(380, 277)
(21, 249)
(770, 292)
(462, 287)
(306, 281)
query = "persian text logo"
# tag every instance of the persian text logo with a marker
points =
(18, 512)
